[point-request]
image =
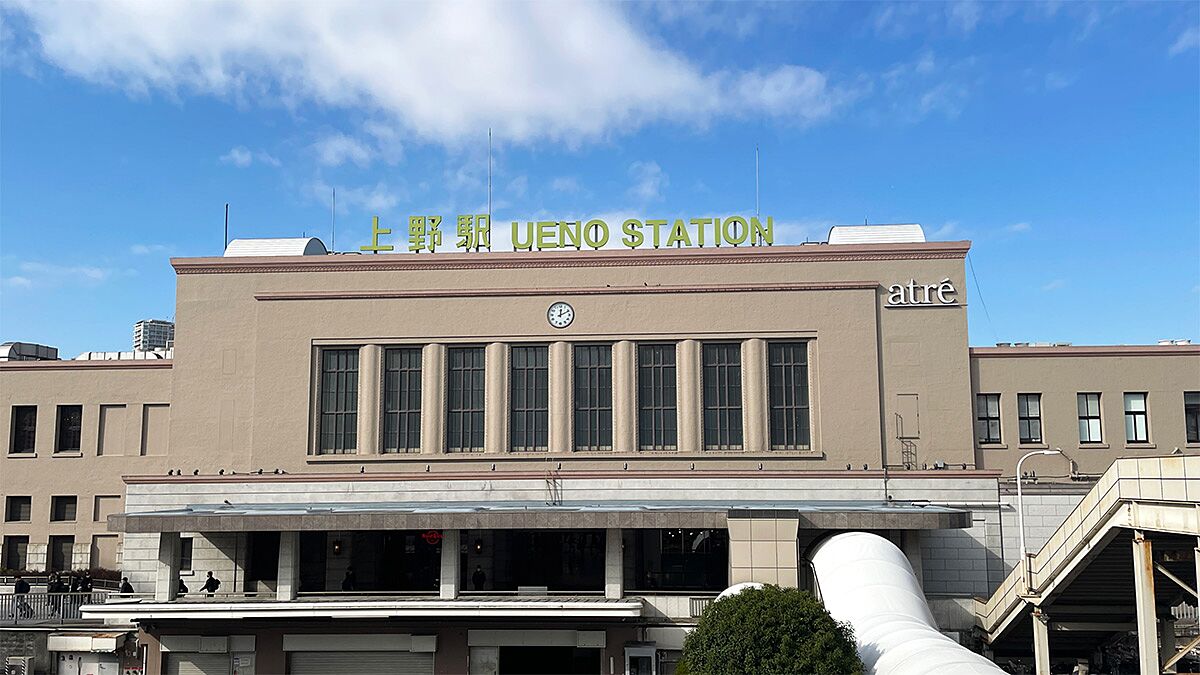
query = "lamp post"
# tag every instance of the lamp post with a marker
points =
(1021, 510)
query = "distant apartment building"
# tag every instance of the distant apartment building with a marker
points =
(151, 334)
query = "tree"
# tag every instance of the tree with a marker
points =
(769, 630)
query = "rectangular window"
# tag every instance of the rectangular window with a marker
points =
(16, 552)
(1089, 418)
(1137, 424)
(18, 509)
(1191, 415)
(60, 553)
(593, 397)
(987, 418)
(657, 400)
(24, 429)
(185, 554)
(1029, 417)
(70, 425)
(402, 400)
(63, 508)
(722, 375)
(787, 372)
(339, 402)
(529, 399)
(464, 399)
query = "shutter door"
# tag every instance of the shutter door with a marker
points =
(181, 663)
(360, 663)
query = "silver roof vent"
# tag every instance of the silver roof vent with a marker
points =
(877, 234)
(275, 247)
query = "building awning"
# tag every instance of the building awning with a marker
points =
(828, 515)
(85, 642)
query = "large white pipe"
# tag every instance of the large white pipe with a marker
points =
(866, 581)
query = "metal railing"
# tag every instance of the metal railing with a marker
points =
(29, 608)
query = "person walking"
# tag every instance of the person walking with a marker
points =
(126, 587)
(350, 581)
(21, 589)
(211, 584)
(182, 589)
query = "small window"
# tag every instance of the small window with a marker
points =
(593, 397)
(16, 552)
(1089, 418)
(987, 418)
(657, 404)
(24, 429)
(18, 509)
(1191, 415)
(788, 375)
(722, 382)
(339, 402)
(70, 425)
(1029, 417)
(61, 553)
(1137, 424)
(62, 509)
(185, 554)
(464, 399)
(529, 399)
(402, 400)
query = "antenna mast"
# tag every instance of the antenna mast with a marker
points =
(333, 224)
(756, 212)
(226, 227)
(489, 187)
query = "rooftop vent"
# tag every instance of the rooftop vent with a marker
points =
(27, 351)
(876, 234)
(1176, 341)
(275, 247)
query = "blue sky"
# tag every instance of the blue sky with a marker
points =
(1061, 138)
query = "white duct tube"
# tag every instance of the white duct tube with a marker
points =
(866, 581)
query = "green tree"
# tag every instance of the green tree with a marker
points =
(769, 631)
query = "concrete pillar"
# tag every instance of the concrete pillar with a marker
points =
(560, 397)
(614, 587)
(433, 399)
(448, 587)
(370, 385)
(755, 409)
(288, 580)
(624, 382)
(1041, 642)
(910, 543)
(690, 400)
(166, 577)
(495, 398)
(1143, 587)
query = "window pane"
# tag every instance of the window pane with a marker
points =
(70, 424)
(529, 382)
(656, 397)
(24, 429)
(402, 400)
(593, 397)
(1135, 402)
(787, 371)
(338, 421)
(722, 373)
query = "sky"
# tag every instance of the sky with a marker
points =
(1062, 139)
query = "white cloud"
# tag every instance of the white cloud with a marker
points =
(147, 249)
(34, 273)
(948, 229)
(18, 282)
(440, 71)
(372, 199)
(518, 186)
(1188, 39)
(1018, 227)
(565, 184)
(1054, 285)
(649, 180)
(337, 149)
(964, 15)
(242, 157)
(1055, 81)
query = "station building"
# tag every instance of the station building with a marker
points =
(552, 461)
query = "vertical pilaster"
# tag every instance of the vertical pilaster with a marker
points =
(288, 579)
(1041, 642)
(625, 396)
(687, 369)
(910, 542)
(166, 577)
(1143, 588)
(754, 395)
(560, 397)
(614, 587)
(448, 587)
(370, 382)
(433, 399)
(495, 397)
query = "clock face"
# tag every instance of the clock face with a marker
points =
(560, 315)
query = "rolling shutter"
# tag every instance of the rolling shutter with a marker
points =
(360, 663)
(183, 663)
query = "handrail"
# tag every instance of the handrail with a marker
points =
(28, 608)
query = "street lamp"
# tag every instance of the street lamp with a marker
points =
(1021, 509)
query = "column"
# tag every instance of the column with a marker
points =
(613, 564)
(910, 541)
(433, 399)
(1143, 587)
(370, 382)
(690, 401)
(288, 580)
(560, 397)
(448, 588)
(166, 577)
(625, 396)
(1041, 642)
(495, 398)
(754, 395)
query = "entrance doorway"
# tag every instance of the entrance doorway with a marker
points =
(549, 661)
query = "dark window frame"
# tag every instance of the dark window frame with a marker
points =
(1086, 416)
(58, 502)
(1029, 425)
(401, 400)
(529, 398)
(1191, 416)
(987, 420)
(10, 558)
(788, 396)
(721, 396)
(1135, 416)
(592, 403)
(68, 435)
(337, 404)
(658, 396)
(23, 430)
(51, 549)
(187, 547)
(10, 514)
(466, 416)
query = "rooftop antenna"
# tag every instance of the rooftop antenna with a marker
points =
(489, 188)
(756, 212)
(226, 227)
(333, 224)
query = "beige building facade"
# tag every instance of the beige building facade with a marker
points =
(654, 425)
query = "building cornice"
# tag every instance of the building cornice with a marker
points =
(140, 364)
(948, 250)
(1098, 350)
(565, 290)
